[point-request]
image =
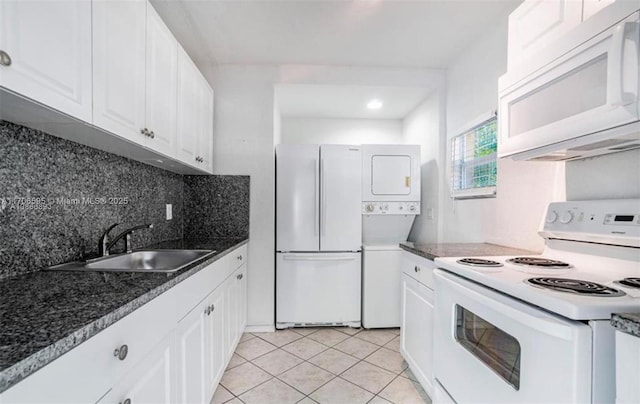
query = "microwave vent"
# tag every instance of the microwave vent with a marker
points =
(600, 145)
(554, 157)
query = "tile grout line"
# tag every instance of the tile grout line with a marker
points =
(327, 347)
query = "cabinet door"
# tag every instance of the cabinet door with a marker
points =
(215, 337)
(119, 67)
(188, 110)
(232, 292)
(242, 297)
(49, 43)
(162, 85)
(591, 7)
(416, 331)
(536, 24)
(205, 129)
(191, 346)
(151, 381)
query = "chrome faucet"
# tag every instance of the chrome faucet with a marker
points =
(106, 244)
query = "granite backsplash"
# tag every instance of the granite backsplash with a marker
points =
(57, 197)
(203, 194)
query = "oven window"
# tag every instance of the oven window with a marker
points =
(494, 347)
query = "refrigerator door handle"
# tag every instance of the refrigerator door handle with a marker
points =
(299, 258)
(316, 190)
(323, 195)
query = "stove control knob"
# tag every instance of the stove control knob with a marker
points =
(552, 216)
(369, 207)
(566, 217)
(412, 207)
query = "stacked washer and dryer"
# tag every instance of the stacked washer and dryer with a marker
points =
(390, 203)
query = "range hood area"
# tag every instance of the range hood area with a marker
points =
(615, 140)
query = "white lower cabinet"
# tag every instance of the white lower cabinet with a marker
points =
(201, 348)
(152, 381)
(163, 352)
(236, 308)
(627, 368)
(416, 330)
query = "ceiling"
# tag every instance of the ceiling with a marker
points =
(325, 101)
(383, 33)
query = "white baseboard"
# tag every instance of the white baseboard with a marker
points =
(260, 328)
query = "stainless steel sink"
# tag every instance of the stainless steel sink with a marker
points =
(138, 261)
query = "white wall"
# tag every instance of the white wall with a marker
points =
(244, 144)
(425, 126)
(524, 188)
(612, 176)
(246, 127)
(341, 131)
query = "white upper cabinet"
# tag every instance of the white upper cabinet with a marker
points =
(162, 85)
(187, 108)
(46, 53)
(195, 114)
(119, 31)
(536, 23)
(591, 7)
(205, 133)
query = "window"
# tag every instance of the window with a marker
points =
(473, 161)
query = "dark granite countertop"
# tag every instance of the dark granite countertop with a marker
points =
(44, 314)
(627, 322)
(436, 250)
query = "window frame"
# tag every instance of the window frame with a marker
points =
(471, 193)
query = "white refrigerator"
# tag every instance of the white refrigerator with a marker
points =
(318, 235)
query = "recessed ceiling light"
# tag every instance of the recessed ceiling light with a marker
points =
(374, 104)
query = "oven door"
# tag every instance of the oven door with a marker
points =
(590, 89)
(491, 348)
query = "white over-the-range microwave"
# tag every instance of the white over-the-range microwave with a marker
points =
(584, 102)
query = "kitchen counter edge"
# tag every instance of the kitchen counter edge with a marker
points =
(438, 250)
(628, 323)
(27, 366)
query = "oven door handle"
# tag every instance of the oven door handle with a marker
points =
(545, 322)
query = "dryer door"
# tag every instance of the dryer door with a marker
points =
(391, 175)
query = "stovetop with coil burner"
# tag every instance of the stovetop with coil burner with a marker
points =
(590, 267)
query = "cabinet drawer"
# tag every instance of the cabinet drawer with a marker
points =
(88, 371)
(418, 268)
(198, 286)
(238, 257)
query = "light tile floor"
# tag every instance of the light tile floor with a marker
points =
(319, 365)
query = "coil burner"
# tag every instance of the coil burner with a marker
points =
(630, 282)
(539, 262)
(576, 286)
(479, 262)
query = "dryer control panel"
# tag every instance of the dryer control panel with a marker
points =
(390, 208)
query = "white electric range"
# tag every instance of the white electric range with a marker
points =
(536, 328)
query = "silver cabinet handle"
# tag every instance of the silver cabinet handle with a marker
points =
(199, 159)
(239, 257)
(121, 353)
(152, 135)
(126, 401)
(143, 131)
(416, 268)
(213, 307)
(239, 277)
(5, 59)
(207, 311)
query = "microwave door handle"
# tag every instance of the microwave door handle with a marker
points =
(615, 65)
